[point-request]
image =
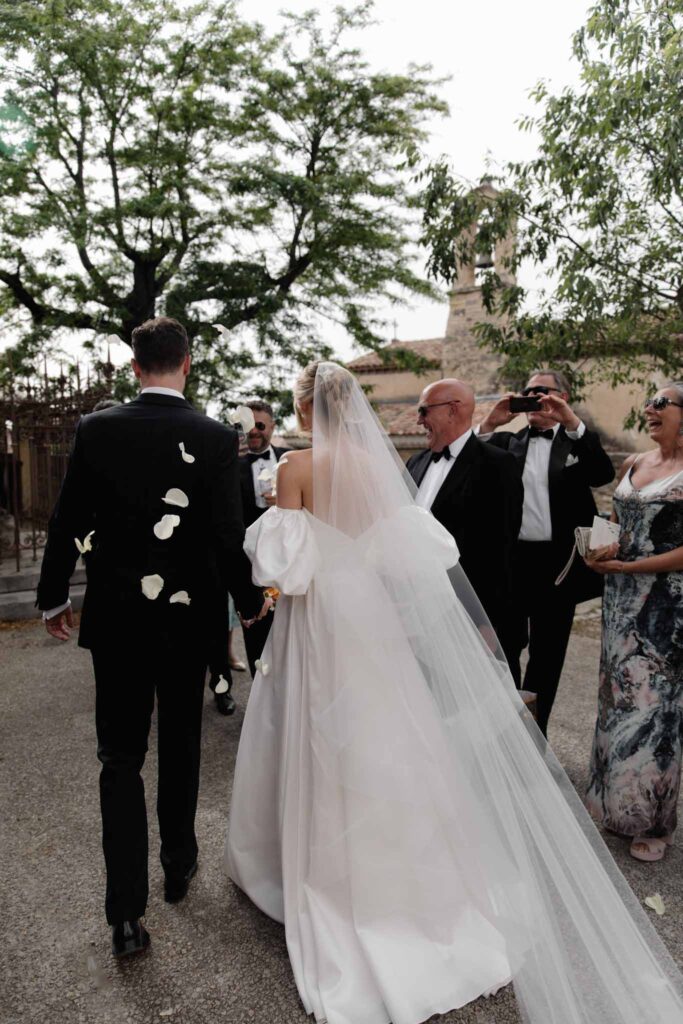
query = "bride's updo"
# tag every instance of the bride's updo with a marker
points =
(327, 382)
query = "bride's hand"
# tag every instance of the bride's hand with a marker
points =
(267, 605)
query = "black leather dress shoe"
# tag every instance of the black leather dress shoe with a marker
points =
(129, 937)
(176, 886)
(225, 704)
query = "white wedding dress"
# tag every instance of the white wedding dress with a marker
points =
(392, 805)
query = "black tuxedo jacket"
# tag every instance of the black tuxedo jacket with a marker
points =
(123, 462)
(480, 504)
(249, 506)
(575, 466)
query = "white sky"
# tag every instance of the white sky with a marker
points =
(494, 51)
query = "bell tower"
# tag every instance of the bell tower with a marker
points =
(462, 356)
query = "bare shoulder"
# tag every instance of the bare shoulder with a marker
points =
(628, 462)
(296, 461)
(293, 479)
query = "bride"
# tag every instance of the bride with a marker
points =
(393, 804)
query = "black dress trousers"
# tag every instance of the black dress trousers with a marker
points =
(126, 687)
(546, 613)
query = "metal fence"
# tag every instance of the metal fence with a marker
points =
(37, 424)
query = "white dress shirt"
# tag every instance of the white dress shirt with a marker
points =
(163, 391)
(145, 391)
(536, 522)
(262, 487)
(438, 471)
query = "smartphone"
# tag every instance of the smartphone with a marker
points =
(525, 403)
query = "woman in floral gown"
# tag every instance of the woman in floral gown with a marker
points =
(636, 760)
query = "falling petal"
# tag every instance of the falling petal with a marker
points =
(180, 597)
(186, 455)
(165, 527)
(85, 545)
(223, 331)
(245, 417)
(152, 586)
(265, 669)
(222, 686)
(175, 496)
(258, 664)
(266, 474)
(655, 903)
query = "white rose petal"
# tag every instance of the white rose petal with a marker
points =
(152, 586)
(180, 597)
(223, 331)
(85, 545)
(655, 903)
(165, 527)
(265, 669)
(222, 686)
(245, 417)
(266, 474)
(186, 455)
(175, 496)
(257, 664)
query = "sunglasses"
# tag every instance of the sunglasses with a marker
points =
(660, 403)
(259, 426)
(422, 410)
(539, 389)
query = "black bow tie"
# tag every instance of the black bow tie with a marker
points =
(535, 432)
(253, 457)
(446, 452)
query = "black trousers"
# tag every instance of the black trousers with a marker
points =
(126, 685)
(545, 621)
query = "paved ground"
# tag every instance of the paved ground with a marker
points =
(215, 959)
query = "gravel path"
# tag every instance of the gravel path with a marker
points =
(215, 959)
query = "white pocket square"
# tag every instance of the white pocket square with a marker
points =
(571, 460)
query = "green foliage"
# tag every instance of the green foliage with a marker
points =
(177, 159)
(600, 209)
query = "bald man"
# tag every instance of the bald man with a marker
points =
(476, 495)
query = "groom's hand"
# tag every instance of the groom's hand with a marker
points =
(60, 626)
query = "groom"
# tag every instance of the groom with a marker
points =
(152, 494)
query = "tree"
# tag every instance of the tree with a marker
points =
(600, 208)
(180, 160)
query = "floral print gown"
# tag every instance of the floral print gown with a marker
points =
(636, 759)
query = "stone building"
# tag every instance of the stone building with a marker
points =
(394, 391)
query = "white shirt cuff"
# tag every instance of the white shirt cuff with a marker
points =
(483, 437)
(51, 612)
(579, 432)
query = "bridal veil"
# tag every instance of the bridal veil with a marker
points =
(580, 947)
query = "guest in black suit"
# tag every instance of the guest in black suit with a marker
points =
(260, 458)
(561, 460)
(474, 491)
(154, 487)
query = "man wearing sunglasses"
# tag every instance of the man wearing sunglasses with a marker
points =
(475, 492)
(561, 461)
(257, 472)
(257, 462)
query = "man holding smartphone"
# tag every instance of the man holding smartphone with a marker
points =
(561, 461)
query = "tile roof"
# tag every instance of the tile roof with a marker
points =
(428, 348)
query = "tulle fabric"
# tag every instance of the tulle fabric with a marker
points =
(394, 804)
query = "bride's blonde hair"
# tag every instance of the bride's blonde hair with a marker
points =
(329, 378)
